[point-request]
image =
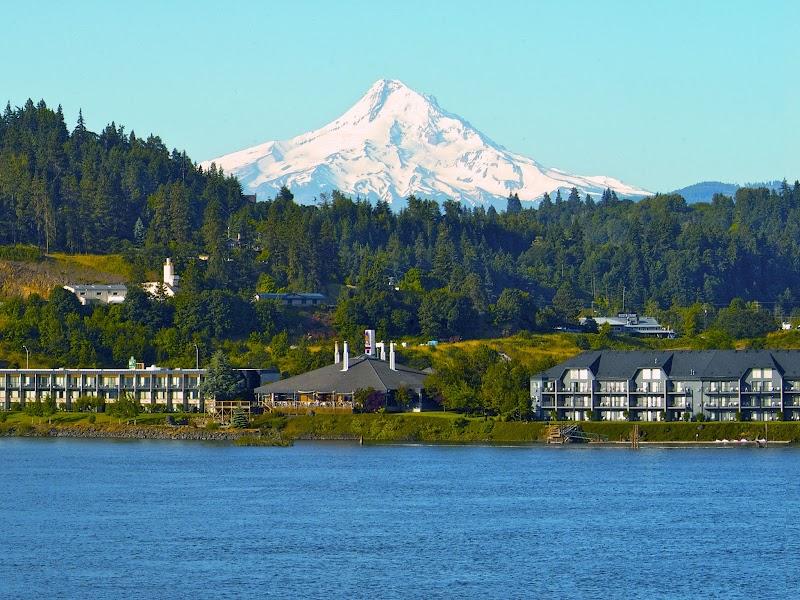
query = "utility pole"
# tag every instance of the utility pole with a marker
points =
(196, 356)
(27, 357)
(623, 298)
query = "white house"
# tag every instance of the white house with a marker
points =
(168, 287)
(98, 293)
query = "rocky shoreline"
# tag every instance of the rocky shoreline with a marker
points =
(133, 432)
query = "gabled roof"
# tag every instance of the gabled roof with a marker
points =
(679, 364)
(363, 372)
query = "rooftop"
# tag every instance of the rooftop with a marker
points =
(677, 364)
(363, 372)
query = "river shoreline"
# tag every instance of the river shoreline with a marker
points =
(256, 437)
(436, 428)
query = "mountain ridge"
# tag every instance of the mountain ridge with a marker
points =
(394, 142)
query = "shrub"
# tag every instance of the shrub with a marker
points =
(3, 416)
(460, 423)
(24, 428)
(34, 409)
(240, 420)
(21, 253)
(92, 418)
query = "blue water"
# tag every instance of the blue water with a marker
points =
(104, 519)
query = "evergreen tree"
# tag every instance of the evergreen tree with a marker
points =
(222, 381)
(513, 205)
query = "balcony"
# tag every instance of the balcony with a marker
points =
(612, 389)
(721, 406)
(761, 389)
(722, 391)
(647, 405)
(678, 404)
(648, 388)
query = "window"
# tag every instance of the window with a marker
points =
(651, 373)
(584, 374)
(756, 373)
(766, 373)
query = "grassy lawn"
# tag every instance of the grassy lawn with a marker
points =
(78, 418)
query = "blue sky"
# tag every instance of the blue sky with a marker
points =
(659, 94)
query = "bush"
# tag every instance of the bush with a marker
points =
(212, 426)
(92, 418)
(34, 409)
(3, 416)
(21, 253)
(240, 420)
(460, 423)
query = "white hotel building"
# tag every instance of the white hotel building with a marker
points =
(176, 389)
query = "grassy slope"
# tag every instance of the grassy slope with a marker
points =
(23, 278)
(448, 427)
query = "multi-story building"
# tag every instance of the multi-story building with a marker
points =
(173, 388)
(721, 385)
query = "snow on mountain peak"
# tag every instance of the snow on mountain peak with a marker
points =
(395, 142)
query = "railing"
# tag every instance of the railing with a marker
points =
(605, 389)
(652, 388)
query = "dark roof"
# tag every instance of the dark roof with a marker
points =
(363, 372)
(91, 287)
(707, 364)
(290, 296)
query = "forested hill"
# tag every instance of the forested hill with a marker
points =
(437, 270)
(81, 192)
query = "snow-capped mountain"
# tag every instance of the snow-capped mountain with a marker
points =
(395, 142)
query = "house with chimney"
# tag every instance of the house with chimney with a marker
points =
(335, 386)
(166, 288)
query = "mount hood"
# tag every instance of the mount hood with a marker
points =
(395, 142)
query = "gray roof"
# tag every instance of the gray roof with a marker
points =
(363, 372)
(290, 296)
(89, 287)
(706, 364)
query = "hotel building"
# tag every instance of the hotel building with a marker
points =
(176, 389)
(721, 385)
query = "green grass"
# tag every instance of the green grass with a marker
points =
(14, 419)
(431, 427)
(102, 263)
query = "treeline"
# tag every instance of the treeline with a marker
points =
(81, 191)
(436, 271)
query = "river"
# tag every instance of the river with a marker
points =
(164, 519)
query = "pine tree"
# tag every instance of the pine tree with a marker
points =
(513, 205)
(138, 232)
(240, 420)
